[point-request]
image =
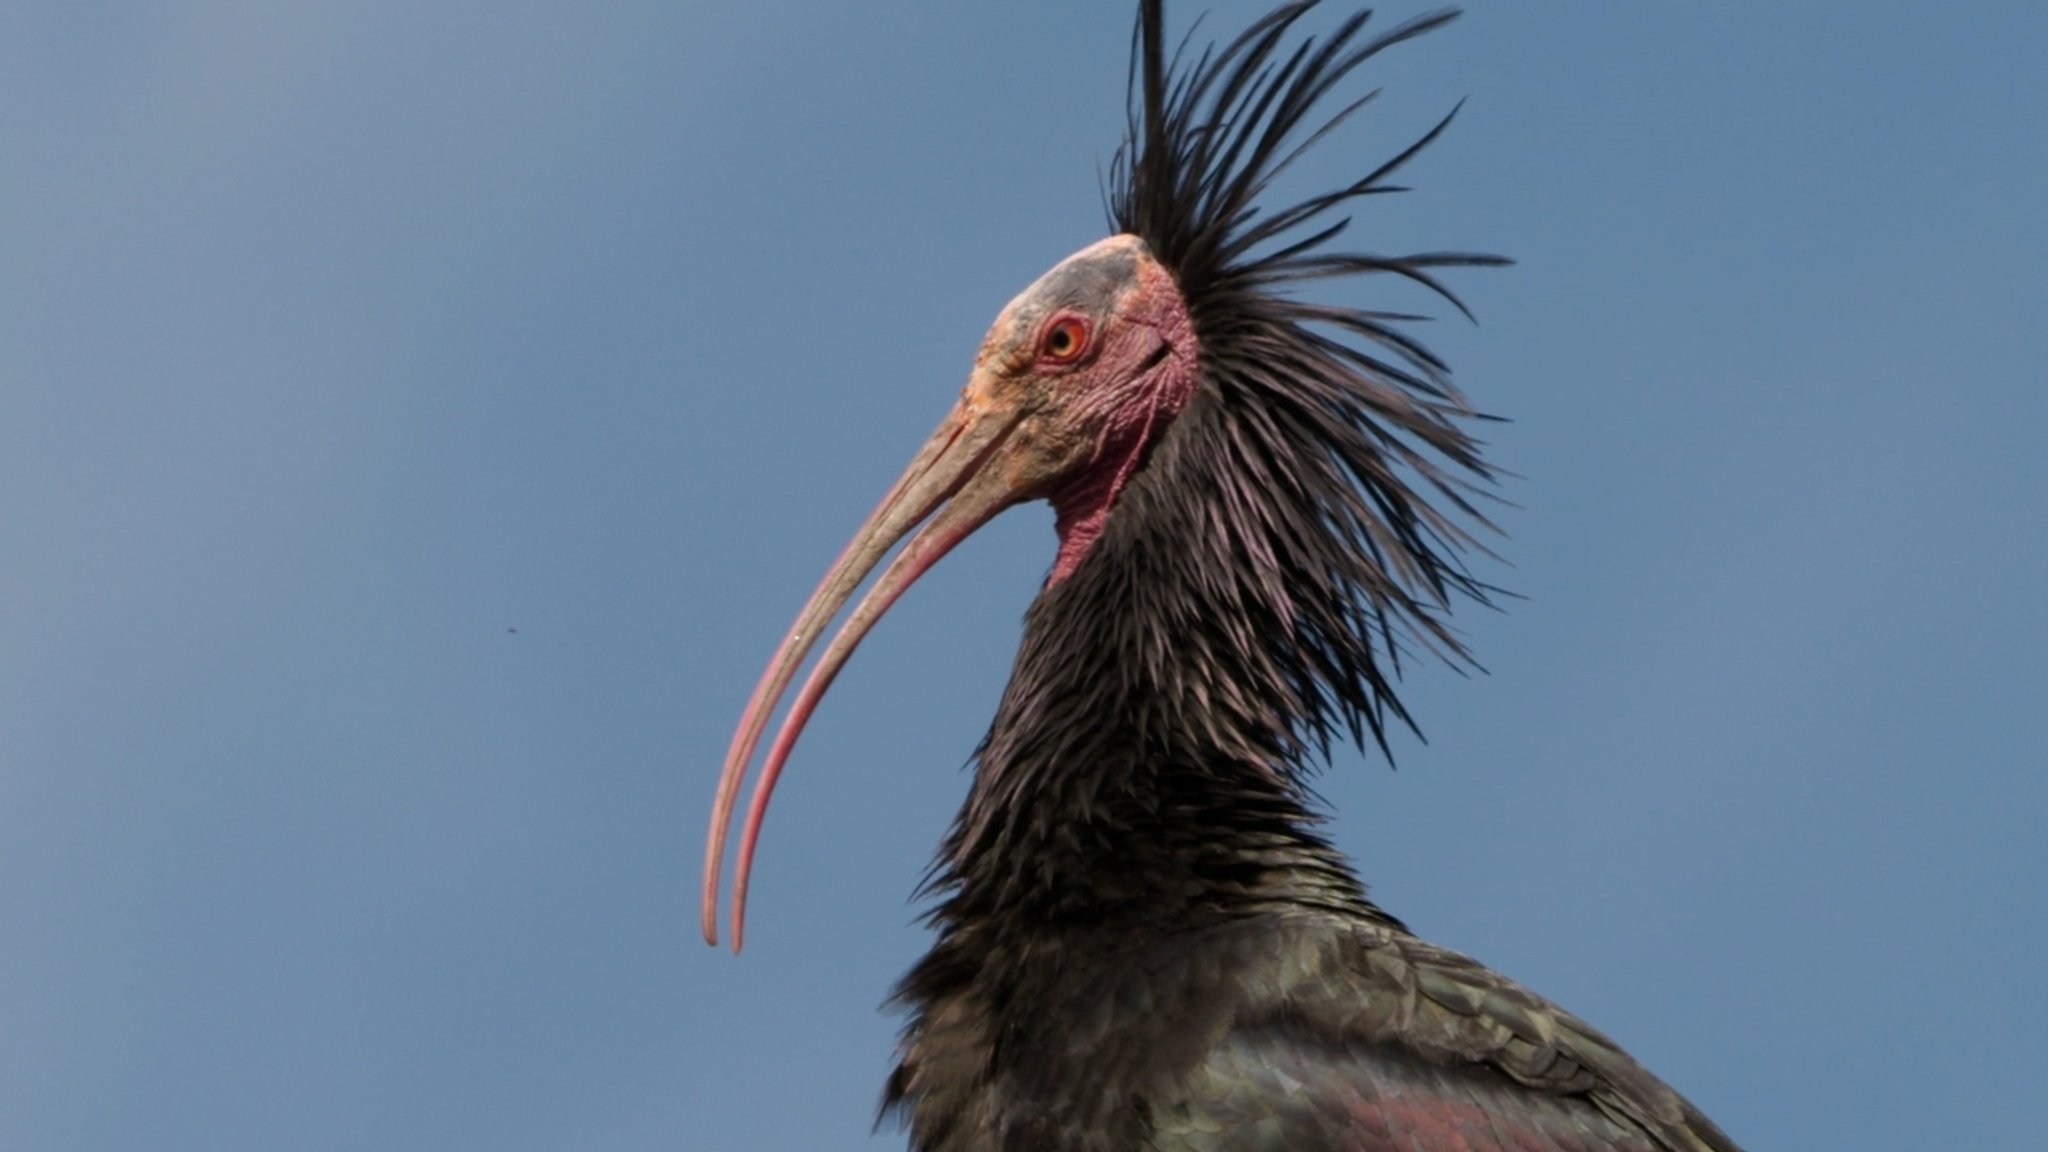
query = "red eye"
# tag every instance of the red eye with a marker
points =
(1065, 340)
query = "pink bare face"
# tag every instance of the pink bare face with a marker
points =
(1098, 357)
(1078, 375)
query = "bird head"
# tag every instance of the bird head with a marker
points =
(1076, 378)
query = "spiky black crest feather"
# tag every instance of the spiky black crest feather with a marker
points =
(1347, 439)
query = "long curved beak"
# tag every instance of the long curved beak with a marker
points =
(953, 470)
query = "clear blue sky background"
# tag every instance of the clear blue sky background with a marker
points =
(339, 340)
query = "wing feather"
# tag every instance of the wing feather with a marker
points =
(1374, 1041)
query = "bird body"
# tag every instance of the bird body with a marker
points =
(1143, 942)
(1290, 1030)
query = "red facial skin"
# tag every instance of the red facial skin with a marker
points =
(1128, 408)
(1044, 416)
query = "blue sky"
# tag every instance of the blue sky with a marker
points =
(337, 342)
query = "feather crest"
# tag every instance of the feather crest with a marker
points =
(1347, 441)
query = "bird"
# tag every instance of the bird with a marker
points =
(1263, 502)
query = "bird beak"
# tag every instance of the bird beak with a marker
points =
(952, 470)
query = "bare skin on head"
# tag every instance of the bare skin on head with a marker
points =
(1094, 411)
(1078, 376)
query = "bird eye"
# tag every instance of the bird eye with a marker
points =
(1065, 340)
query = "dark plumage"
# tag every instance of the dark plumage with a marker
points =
(1142, 940)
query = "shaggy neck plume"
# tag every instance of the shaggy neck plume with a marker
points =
(1138, 414)
(1128, 701)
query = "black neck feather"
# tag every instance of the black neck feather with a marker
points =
(1144, 768)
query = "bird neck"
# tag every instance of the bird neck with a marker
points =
(1143, 767)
